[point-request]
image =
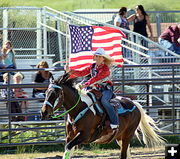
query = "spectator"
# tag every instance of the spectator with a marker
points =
(121, 19)
(141, 19)
(8, 55)
(15, 107)
(2, 66)
(19, 92)
(41, 77)
(170, 38)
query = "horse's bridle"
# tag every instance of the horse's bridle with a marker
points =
(52, 85)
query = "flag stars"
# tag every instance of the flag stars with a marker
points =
(81, 38)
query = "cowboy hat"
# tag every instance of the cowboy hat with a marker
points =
(101, 52)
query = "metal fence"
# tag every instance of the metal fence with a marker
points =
(21, 25)
(27, 128)
(34, 131)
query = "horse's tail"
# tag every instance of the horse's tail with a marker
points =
(149, 129)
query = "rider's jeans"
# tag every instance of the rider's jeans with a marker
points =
(107, 95)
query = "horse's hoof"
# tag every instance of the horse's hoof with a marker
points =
(66, 155)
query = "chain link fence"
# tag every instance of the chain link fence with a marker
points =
(21, 25)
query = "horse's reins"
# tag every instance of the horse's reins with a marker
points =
(48, 103)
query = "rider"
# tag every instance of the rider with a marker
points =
(99, 78)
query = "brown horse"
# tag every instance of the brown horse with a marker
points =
(84, 125)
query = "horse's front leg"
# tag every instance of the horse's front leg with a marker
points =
(76, 141)
(69, 136)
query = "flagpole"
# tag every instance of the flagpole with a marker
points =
(67, 60)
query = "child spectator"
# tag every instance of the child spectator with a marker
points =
(19, 92)
(15, 107)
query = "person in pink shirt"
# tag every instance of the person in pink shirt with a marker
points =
(19, 92)
(100, 79)
(170, 38)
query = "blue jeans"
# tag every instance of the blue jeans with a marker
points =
(169, 45)
(107, 95)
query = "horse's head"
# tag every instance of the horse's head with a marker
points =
(54, 97)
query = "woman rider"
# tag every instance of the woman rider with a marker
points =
(100, 79)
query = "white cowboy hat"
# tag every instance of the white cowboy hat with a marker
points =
(101, 52)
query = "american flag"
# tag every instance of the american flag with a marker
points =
(86, 39)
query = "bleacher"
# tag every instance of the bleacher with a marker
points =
(33, 105)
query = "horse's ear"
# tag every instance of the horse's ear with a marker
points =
(64, 77)
(51, 80)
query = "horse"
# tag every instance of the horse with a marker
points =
(85, 124)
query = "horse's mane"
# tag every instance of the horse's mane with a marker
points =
(65, 80)
(71, 83)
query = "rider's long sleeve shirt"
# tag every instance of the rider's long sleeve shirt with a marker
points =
(101, 74)
(172, 34)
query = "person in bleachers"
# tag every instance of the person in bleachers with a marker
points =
(170, 38)
(122, 22)
(41, 77)
(141, 20)
(15, 107)
(2, 66)
(19, 92)
(121, 19)
(8, 55)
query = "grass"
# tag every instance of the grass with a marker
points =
(70, 5)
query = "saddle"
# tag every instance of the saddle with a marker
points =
(98, 94)
(119, 105)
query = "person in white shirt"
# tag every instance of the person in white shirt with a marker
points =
(121, 19)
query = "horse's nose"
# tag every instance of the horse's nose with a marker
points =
(43, 113)
(42, 116)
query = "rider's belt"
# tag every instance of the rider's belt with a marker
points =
(104, 86)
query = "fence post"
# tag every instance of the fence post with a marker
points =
(60, 41)
(39, 35)
(5, 25)
(178, 122)
(173, 98)
(44, 32)
(9, 108)
(158, 25)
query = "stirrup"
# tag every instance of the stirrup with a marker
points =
(114, 127)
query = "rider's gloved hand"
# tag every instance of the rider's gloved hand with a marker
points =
(83, 86)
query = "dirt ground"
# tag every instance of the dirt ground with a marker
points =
(136, 153)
